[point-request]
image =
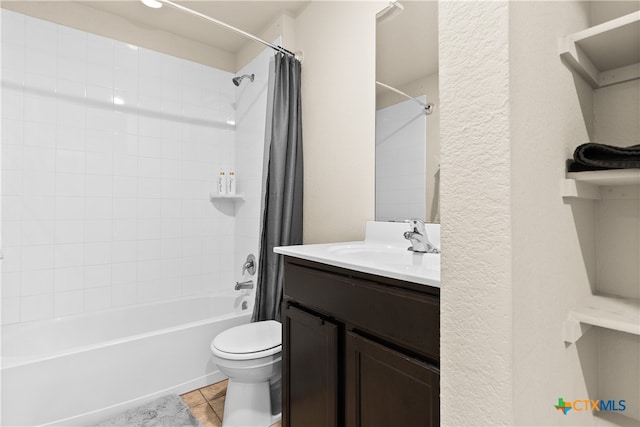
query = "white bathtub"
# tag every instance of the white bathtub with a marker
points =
(81, 369)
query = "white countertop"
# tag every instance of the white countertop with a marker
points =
(382, 253)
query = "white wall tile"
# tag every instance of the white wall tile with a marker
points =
(37, 307)
(38, 61)
(97, 299)
(37, 257)
(12, 261)
(69, 255)
(97, 253)
(37, 282)
(125, 208)
(98, 230)
(96, 276)
(13, 28)
(124, 251)
(124, 272)
(105, 176)
(99, 186)
(12, 132)
(98, 208)
(68, 303)
(10, 310)
(40, 109)
(11, 233)
(70, 137)
(125, 165)
(11, 183)
(70, 161)
(69, 185)
(12, 157)
(73, 69)
(39, 159)
(123, 295)
(68, 278)
(70, 112)
(13, 58)
(69, 208)
(72, 43)
(100, 51)
(100, 141)
(41, 34)
(39, 134)
(125, 229)
(69, 232)
(12, 104)
(148, 250)
(38, 232)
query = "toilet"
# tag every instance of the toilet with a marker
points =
(250, 356)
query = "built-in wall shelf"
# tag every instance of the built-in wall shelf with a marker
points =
(606, 54)
(610, 312)
(587, 184)
(234, 197)
(227, 204)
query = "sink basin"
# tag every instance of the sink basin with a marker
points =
(385, 255)
(383, 252)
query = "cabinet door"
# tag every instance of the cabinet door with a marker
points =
(386, 388)
(310, 370)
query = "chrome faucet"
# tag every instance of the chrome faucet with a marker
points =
(244, 285)
(419, 239)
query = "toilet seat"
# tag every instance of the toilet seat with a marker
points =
(250, 341)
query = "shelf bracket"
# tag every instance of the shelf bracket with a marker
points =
(573, 188)
(573, 329)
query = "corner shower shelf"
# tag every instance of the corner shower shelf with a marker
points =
(586, 184)
(235, 197)
(606, 54)
(615, 313)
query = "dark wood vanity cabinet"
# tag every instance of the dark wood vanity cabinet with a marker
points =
(358, 350)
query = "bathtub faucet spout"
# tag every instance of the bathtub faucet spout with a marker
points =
(244, 285)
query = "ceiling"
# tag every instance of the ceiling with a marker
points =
(249, 16)
(407, 44)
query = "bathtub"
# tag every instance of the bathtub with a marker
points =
(81, 369)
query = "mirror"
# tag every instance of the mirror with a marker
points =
(407, 137)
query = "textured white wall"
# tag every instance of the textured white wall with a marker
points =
(553, 239)
(338, 116)
(476, 330)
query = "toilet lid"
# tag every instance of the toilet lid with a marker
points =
(250, 338)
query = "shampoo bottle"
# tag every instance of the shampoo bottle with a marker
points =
(222, 184)
(231, 184)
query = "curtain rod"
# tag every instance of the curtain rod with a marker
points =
(428, 108)
(230, 27)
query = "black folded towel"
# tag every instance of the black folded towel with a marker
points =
(593, 156)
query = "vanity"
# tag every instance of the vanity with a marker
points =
(361, 332)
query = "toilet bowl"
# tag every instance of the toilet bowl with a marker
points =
(250, 356)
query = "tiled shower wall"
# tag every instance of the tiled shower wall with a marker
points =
(109, 153)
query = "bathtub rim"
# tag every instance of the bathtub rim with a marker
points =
(8, 362)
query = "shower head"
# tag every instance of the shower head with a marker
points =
(238, 79)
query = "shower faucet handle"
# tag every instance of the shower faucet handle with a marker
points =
(249, 265)
(244, 285)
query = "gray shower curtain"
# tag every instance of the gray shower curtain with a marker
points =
(282, 218)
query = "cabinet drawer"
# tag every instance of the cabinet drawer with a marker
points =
(406, 318)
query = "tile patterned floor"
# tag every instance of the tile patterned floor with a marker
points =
(207, 404)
